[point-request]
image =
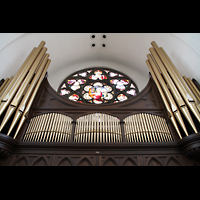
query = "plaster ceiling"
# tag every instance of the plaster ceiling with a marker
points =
(124, 52)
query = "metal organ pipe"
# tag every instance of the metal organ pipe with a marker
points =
(98, 127)
(144, 127)
(166, 75)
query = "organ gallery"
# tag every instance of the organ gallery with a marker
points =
(98, 116)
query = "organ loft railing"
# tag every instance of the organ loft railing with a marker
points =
(98, 128)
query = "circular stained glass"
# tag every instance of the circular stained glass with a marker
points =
(98, 86)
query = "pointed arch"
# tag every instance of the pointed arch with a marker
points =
(129, 162)
(173, 162)
(110, 162)
(65, 162)
(84, 162)
(21, 162)
(40, 162)
(154, 162)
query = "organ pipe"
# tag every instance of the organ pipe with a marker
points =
(16, 83)
(28, 106)
(98, 127)
(171, 84)
(171, 101)
(19, 91)
(186, 96)
(144, 127)
(192, 87)
(174, 90)
(50, 127)
(196, 100)
(169, 111)
(26, 97)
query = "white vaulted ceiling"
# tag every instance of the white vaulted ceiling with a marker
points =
(125, 52)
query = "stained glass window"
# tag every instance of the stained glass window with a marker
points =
(98, 86)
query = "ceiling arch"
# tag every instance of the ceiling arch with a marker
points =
(124, 51)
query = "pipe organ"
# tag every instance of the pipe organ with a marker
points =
(98, 127)
(163, 119)
(144, 127)
(180, 97)
(50, 127)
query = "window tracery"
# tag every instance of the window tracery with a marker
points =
(98, 86)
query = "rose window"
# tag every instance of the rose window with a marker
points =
(98, 86)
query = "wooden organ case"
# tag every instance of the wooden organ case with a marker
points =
(60, 132)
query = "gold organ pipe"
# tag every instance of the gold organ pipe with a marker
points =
(21, 90)
(148, 126)
(36, 127)
(137, 128)
(60, 134)
(126, 128)
(193, 87)
(4, 83)
(180, 77)
(186, 96)
(90, 128)
(151, 128)
(17, 80)
(170, 113)
(53, 126)
(10, 90)
(56, 128)
(106, 120)
(171, 101)
(103, 127)
(160, 130)
(46, 128)
(145, 127)
(26, 97)
(97, 121)
(154, 127)
(50, 122)
(6, 86)
(69, 130)
(174, 90)
(42, 123)
(133, 128)
(3, 86)
(27, 109)
(79, 136)
(65, 136)
(33, 124)
(59, 128)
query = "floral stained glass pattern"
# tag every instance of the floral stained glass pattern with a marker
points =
(98, 86)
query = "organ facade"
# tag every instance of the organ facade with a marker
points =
(98, 117)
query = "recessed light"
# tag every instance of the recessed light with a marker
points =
(93, 36)
(93, 45)
(104, 36)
